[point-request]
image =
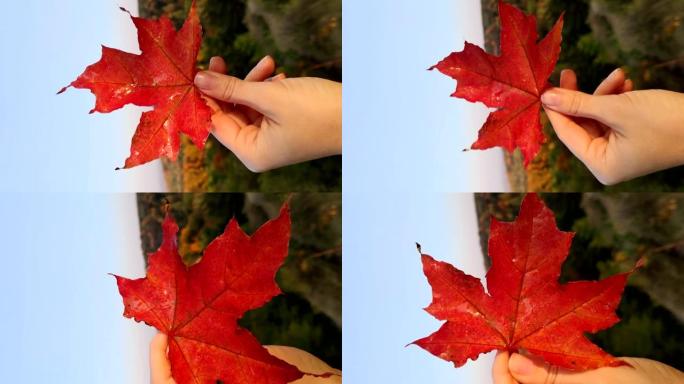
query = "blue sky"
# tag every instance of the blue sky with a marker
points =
(403, 137)
(55, 144)
(62, 313)
(384, 289)
(401, 129)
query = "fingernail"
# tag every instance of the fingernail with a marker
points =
(615, 72)
(263, 60)
(204, 80)
(551, 98)
(520, 365)
(277, 77)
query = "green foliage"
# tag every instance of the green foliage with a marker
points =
(227, 36)
(226, 173)
(646, 329)
(173, 9)
(290, 320)
(306, 35)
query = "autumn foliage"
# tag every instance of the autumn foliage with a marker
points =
(160, 77)
(198, 306)
(512, 82)
(525, 308)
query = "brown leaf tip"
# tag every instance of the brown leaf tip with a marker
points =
(166, 207)
(639, 264)
(288, 201)
(323, 375)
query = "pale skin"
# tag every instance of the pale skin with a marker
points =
(160, 367)
(519, 369)
(271, 121)
(617, 132)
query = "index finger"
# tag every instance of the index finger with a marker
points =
(500, 373)
(262, 70)
(160, 367)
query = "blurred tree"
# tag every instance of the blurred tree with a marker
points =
(647, 226)
(306, 34)
(646, 36)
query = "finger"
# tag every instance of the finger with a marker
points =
(589, 150)
(217, 64)
(260, 96)
(568, 79)
(264, 69)
(602, 108)
(576, 138)
(214, 105)
(628, 86)
(500, 374)
(534, 371)
(280, 76)
(160, 367)
(233, 132)
(239, 138)
(303, 360)
(528, 371)
(611, 84)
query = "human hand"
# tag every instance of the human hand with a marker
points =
(308, 363)
(160, 367)
(519, 369)
(273, 123)
(618, 133)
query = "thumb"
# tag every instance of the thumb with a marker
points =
(528, 371)
(303, 360)
(574, 103)
(256, 95)
(160, 367)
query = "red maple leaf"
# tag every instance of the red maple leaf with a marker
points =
(513, 82)
(160, 77)
(198, 306)
(525, 308)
